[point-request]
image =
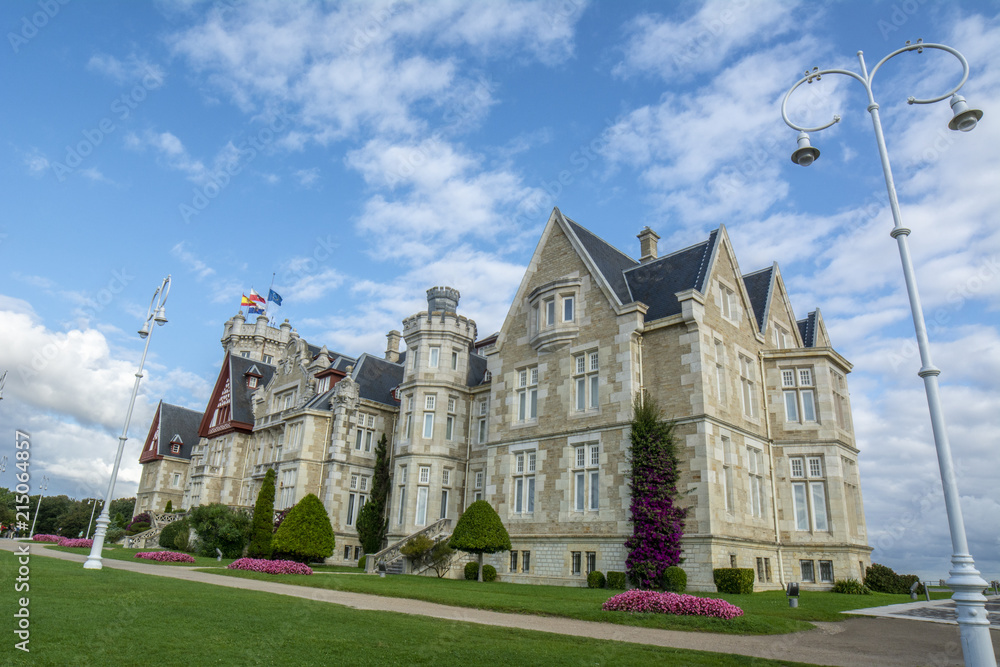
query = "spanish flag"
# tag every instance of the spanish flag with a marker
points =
(246, 301)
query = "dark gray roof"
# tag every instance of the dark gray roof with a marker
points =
(242, 408)
(657, 282)
(758, 286)
(178, 421)
(477, 370)
(376, 378)
(807, 327)
(341, 362)
(610, 261)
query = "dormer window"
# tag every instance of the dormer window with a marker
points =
(323, 385)
(252, 382)
(175, 444)
(253, 377)
(552, 314)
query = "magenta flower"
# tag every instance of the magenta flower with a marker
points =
(638, 601)
(270, 566)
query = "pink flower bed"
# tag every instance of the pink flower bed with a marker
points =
(74, 542)
(270, 566)
(671, 603)
(166, 556)
(46, 538)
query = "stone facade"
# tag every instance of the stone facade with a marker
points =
(535, 418)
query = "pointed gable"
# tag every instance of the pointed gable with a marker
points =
(230, 406)
(150, 449)
(657, 282)
(758, 285)
(376, 378)
(607, 259)
(173, 432)
(807, 329)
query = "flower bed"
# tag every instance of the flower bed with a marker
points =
(46, 538)
(671, 603)
(270, 566)
(74, 542)
(166, 556)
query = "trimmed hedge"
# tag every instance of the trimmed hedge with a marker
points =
(136, 528)
(734, 580)
(596, 580)
(674, 580)
(882, 579)
(850, 587)
(305, 534)
(616, 581)
(362, 562)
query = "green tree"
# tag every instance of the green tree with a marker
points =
(371, 524)
(170, 506)
(657, 518)
(124, 505)
(306, 534)
(480, 531)
(262, 528)
(219, 527)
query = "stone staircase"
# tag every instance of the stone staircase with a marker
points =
(395, 561)
(151, 537)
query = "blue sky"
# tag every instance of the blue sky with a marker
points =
(363, 152)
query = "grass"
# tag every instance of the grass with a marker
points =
(123, 618)
(764, 612)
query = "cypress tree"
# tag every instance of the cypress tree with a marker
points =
(657, 519)
(371, 523)
(262, 528)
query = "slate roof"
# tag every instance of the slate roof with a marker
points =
(178, 421)
(657, 282)
(807, 327)
(242, 408)
(477, 370)
(758, 286)
(376, 378)
(610, 261)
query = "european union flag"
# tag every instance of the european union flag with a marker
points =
(274, 296)
(253, 310)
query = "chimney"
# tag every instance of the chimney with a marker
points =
(442, 299)
(647, 244)
(392, 346)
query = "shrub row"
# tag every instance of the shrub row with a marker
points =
(736, 580)
(882, 579)
(270, 566)
(596, 580)
(75, 542)
(616, 581)
(472, 571)
(46, 538)
(850, 587)
(175, 535)
(165, 556)
(638, 601)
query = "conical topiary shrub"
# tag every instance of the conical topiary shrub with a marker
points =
(306, 534)
(262, 528)
(480, 531)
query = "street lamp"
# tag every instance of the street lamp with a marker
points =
(41, 487)
(155, 313)
(964, 579)
(91, 521)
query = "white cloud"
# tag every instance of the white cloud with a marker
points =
(94, 174)
(36, 162)
(200, 268)
(307, 177)
(130, 70)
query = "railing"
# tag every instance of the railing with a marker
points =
(162, 519)
(392, 552)
(261, 469)
(206, 470)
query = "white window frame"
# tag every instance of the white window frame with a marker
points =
(809, 496)
(728, 303)
(568, 308)
(527, 394)
(434, 357)
(364, 434)
(428, 431)
(728, 483)
(523, 482)
(748, 384)
(720, 371)
(586, 478)
(586, 381)
(755, 472)
(798, 387)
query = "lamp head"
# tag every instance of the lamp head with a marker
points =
(964, 118)
(161, 316)
(805, 154)
(144, 331)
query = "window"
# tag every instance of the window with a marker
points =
(483, 414)
(727, 299)
(799, 393)
(434, 357)
(755, 469)
(425, 475)
(454, 360)
(421, 506)
(478, 495)
(444, 504)
(577, 562)
(550, 312)
(175, 448)
(591, 561)
(748, 385)
(513, 561)
(446, 477)
(732, 560)
(175, 480)
(526, 562)
(728, 458)
(287, 488)
(586, 478)
(527, 394)
(763, 569)
(806, 568)
(826, 571)
(809, 495)
(357, 552)
(293, 437)
(428, 424)
(523, 479)
(782, 339)
(252, 382)
(841, 404)
(356, 498)
(567, 309)
(323, 385)
(449, 424)
(586, 380)
(268, 359)
(720, 372)
(401, 515)
(365, 433)
(347, 553)
(245, 355)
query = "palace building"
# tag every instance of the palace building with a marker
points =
(535, 418)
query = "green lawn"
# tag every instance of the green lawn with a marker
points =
(122, 618)
(764, 613)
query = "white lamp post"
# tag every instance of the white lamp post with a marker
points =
(91, 521)
(157, 314)
(964, 579)
(41, 487)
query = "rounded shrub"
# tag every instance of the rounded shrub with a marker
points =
(472, 571)
(596, 580)
(362, 562)
(113, 535)
(489, 573)
(674, 580)
(850, 587)
(169, 533)
(219, 527)
(182, 538)
(305, 534)
(616, 580)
